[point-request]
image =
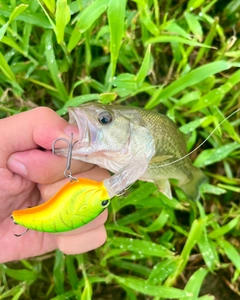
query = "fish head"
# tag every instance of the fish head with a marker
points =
(102, 129)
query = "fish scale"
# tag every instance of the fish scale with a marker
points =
(168, 141)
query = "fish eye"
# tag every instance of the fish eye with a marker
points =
(105, 117)
(105, 203)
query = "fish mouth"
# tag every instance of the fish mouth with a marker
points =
(87, 133)
(78, 117)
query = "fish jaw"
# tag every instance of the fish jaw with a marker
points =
(87, 132)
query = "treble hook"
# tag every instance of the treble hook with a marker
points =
(67, 173)
(21, 234)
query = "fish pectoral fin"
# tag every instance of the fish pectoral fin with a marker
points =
(164, 187)
(120, 181)
(158, 159)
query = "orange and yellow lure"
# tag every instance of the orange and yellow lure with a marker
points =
(76, 204)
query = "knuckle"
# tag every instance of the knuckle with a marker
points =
(43, 110)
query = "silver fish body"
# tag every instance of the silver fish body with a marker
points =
(134, 143)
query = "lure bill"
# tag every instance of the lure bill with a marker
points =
(77, 203)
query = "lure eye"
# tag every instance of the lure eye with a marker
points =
(105, 203)
(105, 117)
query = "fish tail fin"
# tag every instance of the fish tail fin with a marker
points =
(191, 188)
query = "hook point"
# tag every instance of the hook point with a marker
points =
(21, 234)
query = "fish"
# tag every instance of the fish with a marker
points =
(77, 203)
(134, 143)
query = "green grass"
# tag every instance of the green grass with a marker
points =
(181, 58)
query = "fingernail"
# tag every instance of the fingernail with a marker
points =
(16, 167)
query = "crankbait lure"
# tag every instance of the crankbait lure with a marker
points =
(78, 202)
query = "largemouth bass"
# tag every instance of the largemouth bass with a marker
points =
(134, 143)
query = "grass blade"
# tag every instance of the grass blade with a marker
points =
(193, 4)
(7, 71)
(145, 67)
(194, 235)
(50, 4)
(194, 26)
(16, 12)
(77, 101)
(190, 79)
(162, 270)
(141, 247)
(194, 283)
(85, 21)
(231, 252)
(176, 39)
(224, 229)
(53, 67)
(21, 275)
(116, 16)
(11, 43)
(158, 223)
(210, 156)
(62, 17)
(149, 289)
(209, 252)
(58, 272)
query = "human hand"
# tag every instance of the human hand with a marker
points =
(30, 176)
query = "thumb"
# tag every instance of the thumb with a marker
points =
(29, 130)
(24, 134)
(42, 166)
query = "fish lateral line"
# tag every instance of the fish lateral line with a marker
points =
(203, 142)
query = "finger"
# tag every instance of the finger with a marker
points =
(29, 130)
(86, 241)
(33, 243)
(48, 190)
(42, 166)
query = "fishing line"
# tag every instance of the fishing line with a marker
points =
(181, 158)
